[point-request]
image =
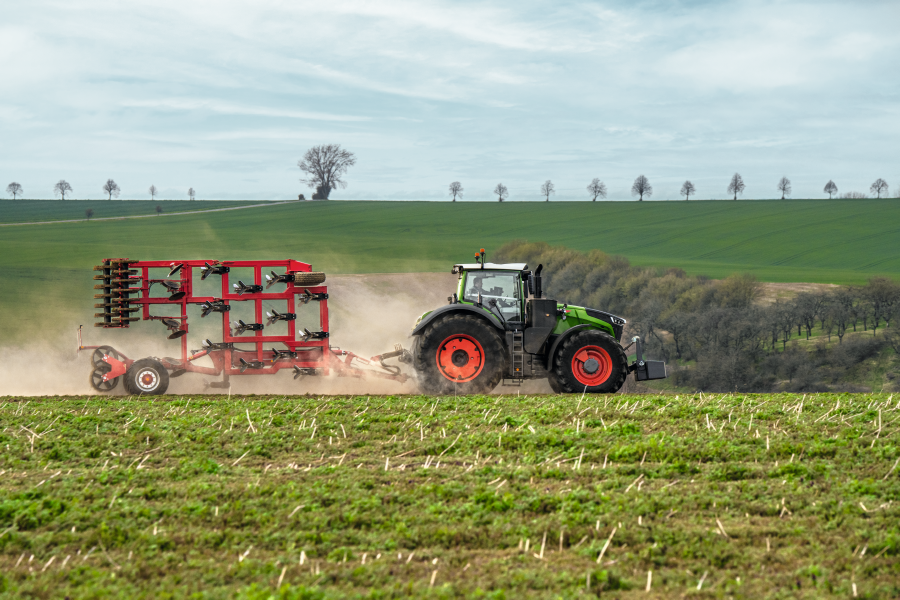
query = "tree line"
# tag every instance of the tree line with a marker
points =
(642, 188)
(112, 190)
(715, 334)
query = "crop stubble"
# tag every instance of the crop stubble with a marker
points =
(396, 496)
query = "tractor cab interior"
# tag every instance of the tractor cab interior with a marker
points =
(504, 287)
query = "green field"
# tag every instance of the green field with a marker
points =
(775, 496)
(838, 241)
(25, 211)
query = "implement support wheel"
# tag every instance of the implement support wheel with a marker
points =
(146, 377)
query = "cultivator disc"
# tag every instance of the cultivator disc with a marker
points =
(116, 281)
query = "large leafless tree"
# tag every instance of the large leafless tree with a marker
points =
(830, 189)
(501, 192)
(153, 191)
(325, 167)
(191, 194)
(111, 188)
(62, 188)
(879, 187)
(547, 188)
(641, 187)
(14, 189)
(784, 186)
(597, 189)
(688, 189)
(456, 189)
(736, 186)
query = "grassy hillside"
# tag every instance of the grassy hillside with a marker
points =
(839, 241)
(24, 211)
(476, 497)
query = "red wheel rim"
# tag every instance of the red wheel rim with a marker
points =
(460, 358)
(591, 365)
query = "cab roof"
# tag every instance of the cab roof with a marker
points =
(491, 266)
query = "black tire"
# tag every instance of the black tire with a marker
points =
(311, 278)
(436, 356)
(99, 353)
(97, 382)
(146, 377)
(554, 383)
(574, 372)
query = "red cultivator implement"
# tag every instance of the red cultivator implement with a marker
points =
(246, 348)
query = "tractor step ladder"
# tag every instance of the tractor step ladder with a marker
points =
(517, 358)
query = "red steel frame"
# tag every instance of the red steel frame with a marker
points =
(315, 356)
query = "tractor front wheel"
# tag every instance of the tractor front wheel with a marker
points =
(459, 354)
(146, 377)
(592, 362)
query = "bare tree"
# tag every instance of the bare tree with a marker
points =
(597, 189)
(830, 189)
(784, 186)
(879, 187)
(736, 186)
(61, 188)
(641, 187)
(191, 194)
(153, 192)
(456, 189)
(111, 188)
(14, 189)
(687, 188)
(547, 188)
(325, 166)
(89, 213)
(158, 209)
(501, 192)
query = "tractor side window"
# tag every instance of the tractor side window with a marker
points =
(501, 286)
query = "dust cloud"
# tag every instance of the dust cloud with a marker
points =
(368, 314)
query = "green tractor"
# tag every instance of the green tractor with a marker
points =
(499, 327)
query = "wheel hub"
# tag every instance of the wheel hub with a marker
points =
(460, 358)
(146, 380)
(592, 366)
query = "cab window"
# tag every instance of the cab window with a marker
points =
(502, 286)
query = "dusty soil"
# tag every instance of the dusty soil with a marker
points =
(786, 291)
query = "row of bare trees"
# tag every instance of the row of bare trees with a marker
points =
(63, 187)
(642, 188)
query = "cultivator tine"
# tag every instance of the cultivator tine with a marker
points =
(280, 354)
(253, 364)
(313, 335)
(175, 327)
(277, 316)
(240, 327)
(241, 288)
(213, 306)
(275, 278)
(207, 269)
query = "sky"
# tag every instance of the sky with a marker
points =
(226, 96)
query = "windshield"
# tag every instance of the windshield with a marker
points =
(502, 286)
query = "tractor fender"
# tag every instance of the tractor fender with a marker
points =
(563, 337)
(455, 309)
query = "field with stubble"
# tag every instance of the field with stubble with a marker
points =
(776, 496)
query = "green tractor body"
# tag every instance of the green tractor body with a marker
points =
(499, 327)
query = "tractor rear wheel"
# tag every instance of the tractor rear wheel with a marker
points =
(592, 362)
(459, 354)
(146, 377)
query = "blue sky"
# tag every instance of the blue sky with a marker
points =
(226, 96)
